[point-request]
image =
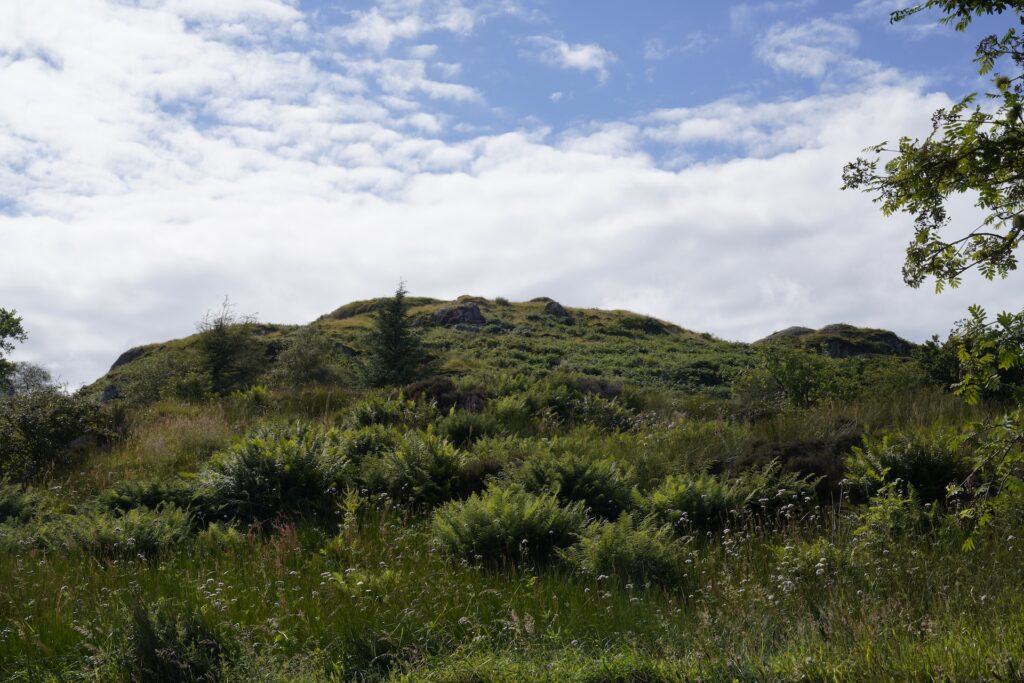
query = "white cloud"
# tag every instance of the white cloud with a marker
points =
(807, 49)
(578, 57)
(698, 42)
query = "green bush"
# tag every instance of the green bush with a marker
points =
(392, 412)
(361, 443)
(296, 470)
(169, 643)
(928, 463)
(637, 550)
(507, 525)
(790, 377)
(463, 427)
(39, 431)
(603, 485)
(422, 470)
(308, 359)
(16, 504)
(149, 494)
(100, 532)
(708, 501)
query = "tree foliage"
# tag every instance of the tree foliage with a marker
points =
(396, 353)
(11, 331)
(976, 148)
(230, 352)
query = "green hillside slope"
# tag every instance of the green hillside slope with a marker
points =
(475, 337)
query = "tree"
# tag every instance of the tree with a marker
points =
(29, 377)
(396, 353)
(231, 355)
(309, 358)
(11, 331)
(975, 150)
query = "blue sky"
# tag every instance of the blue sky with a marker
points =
(677, 158)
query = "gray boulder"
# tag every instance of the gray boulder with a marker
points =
(466, 313)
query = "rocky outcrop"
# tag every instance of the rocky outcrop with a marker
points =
(843, 341)
(557, 310)
(129, 356)
(466, 313)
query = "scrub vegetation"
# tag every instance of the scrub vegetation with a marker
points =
(595, 496)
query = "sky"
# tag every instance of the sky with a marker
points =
(678, 158)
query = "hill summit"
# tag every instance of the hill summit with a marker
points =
(476, 336)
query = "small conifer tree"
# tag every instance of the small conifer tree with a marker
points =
(396, 354)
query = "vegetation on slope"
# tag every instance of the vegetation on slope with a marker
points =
(520, 513)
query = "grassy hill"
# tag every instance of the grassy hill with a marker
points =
(512, 338)
(571, 495)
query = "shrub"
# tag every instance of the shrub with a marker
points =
(606, 415)
(138, 531)
(274, 472)
(231, 356)
(392, 412)
(501, 301)
(603, 485)
(463, 428)
(422, 470)
(708, 501)
(309, 358)
(16, 504)
(702, 502)
(637, 550)
(358, 444)
(928, 463)
(39, 431)
(784, 376)
(506, 525)
(168, 643)
(152, 494)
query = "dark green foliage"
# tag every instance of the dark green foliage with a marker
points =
(929, 463)
(363, 442)
(507, 525)
(231, 355)
(11, 331)
(785, 376)
(103, 533)
(421, 470)
(392, 412)
(275, 472)
(463, 427)
(706, 502)
(171, 643)
(395, 352)
(445, 393)
(939, 361)
(308, 359)
(150, 494)
(634, 549)
(603, 485)
(40, 430)
(16, 504)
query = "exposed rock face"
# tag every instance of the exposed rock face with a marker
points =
(110, 393)
(466, 313)
(843, 341)
(128, 356)
(556, 309)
